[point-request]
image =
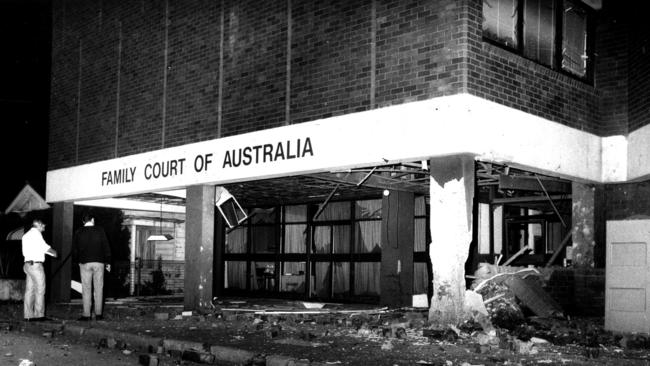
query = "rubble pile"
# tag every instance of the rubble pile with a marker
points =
(504, 326)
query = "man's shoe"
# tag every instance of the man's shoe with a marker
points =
(99, 317)
(84, 319)
(39, 319)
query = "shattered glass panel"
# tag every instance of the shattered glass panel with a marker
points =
(500, 21)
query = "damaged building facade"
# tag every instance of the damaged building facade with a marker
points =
(368, 143)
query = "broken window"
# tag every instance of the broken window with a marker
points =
(574, 39)
(235, 275)
(291, 250)
(366, 279)
(263, 231)
(553, 33)
(500, 21)
(539, 31)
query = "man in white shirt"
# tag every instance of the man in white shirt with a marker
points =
(34, 250)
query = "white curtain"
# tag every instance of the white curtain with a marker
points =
(295, 241)
(235, 275)
(295, 213)
(335, 211)
(368, 209)
(420, 279)
(366, 279)
(321, 279)
(236, 240)
(341, 238)
(295, 238)
(341, 279)
(322, 239)
(368, 237)
(420, 235)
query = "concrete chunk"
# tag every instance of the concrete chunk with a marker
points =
(231, 354)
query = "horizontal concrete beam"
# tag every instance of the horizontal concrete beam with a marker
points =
(449, 125)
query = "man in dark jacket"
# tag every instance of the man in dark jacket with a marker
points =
(91, 250)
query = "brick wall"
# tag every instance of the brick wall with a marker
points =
(131, 77)
(331, 54)
(629, 200)
(639, 72)
(193, 73)
(611, 68)
(254, 65)
(419, 50)
(65, 69)
(141, 77)
(579, 291)
(506, 78)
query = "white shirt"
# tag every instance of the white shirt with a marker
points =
(34, 246)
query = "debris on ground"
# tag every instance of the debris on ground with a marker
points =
(501, 329)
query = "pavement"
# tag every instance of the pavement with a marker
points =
(154, 348)
(275, 332)
(160, 331)
(42, 349)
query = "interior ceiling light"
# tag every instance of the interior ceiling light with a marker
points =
(160, 236)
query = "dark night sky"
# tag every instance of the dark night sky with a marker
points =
(25, 30)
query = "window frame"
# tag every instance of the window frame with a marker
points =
(557, 61)
(279, 257)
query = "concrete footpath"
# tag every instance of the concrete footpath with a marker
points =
(155, 350)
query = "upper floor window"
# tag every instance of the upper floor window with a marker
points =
(554, 33)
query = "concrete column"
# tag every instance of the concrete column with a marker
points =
(397, 225)
(584, 220)
(61, 267)
(199, 246)
(451, 203)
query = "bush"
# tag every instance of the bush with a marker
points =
(157, 284)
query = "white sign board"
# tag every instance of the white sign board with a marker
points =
(414, 131)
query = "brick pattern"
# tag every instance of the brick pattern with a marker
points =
(579, 291)
(330, 59)
(254, 66)
(627, 201)
(611, 75)
(97, 115)
(639, 87)
(419, 50)
(193, 71)
(509, 79)
(140, 125)
(64, 76)
(424, 49)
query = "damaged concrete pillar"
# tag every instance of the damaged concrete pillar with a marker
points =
(452, 194)
(199, 246)
(61, 267)
(397, 225)
(584, 219)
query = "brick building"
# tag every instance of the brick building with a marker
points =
(340, 128)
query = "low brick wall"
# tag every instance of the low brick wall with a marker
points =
(579, 291)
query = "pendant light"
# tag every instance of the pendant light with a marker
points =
(160, 236)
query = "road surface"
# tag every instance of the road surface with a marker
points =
(45, 349)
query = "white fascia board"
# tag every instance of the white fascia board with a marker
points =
(509, 135)
(129, 204)
(614, 159)
(638, 154)
(457, 124)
